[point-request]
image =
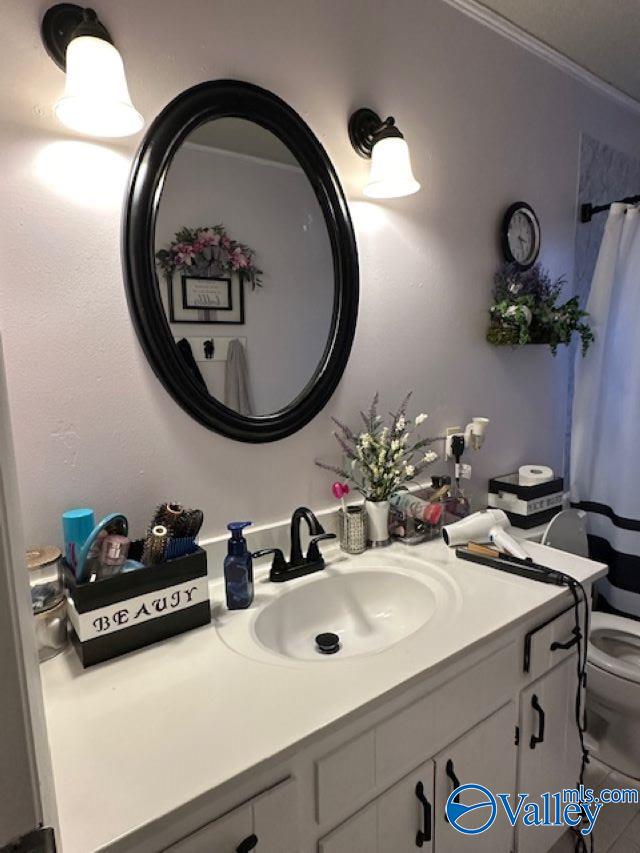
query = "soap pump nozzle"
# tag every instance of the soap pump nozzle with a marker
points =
(237, 543)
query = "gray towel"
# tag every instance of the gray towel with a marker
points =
(237, 389)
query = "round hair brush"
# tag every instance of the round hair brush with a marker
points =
(169, 515)
(155, 545)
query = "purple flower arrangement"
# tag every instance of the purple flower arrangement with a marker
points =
(526, 310)
(381, 458)
(208, 250)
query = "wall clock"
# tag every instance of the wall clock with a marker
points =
(521, 235)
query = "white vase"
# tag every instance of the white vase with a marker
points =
(377, 523)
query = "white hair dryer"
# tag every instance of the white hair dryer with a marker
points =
(489, 524)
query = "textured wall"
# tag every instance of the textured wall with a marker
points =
(487, 124)
(606, 175)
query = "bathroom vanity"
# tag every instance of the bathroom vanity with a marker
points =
(235, 730)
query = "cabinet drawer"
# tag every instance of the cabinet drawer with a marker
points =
(543, 645)
(276, 819)
(272, 817)
(358, 835)
(428, 725)
(223, 835)
(345, 776)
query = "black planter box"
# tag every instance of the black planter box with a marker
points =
(116, 615)
(526, 506)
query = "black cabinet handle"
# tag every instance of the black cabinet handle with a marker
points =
(577, 636)
(539, 738)
(248, 844)
(423, 834)
(451, 773)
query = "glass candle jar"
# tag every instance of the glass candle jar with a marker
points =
(51, 630)
(45, 577)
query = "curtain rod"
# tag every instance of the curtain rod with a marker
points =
(588, 211)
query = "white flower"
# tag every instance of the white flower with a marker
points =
(404, 439)
(395, 444)
(365, 440)
(409, 470)
(401, 423)
(381, 455)
(430, 456)
(384, 435)
(421, 418)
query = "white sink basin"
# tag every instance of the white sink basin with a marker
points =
(368, 610)
(373, 602)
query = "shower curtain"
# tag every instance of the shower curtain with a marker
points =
(605, 444)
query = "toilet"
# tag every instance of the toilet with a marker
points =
(613, 666)
(613, 692)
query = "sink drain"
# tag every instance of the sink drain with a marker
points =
(328, 643)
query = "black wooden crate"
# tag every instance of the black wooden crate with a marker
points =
(116, 615)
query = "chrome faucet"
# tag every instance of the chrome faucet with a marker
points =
(298, 565)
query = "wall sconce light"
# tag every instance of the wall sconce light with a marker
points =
(96, 98)
(380, 141)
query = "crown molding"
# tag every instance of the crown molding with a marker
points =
(520, 37)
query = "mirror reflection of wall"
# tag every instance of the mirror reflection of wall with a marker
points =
(236, 173)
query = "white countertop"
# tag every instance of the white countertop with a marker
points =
(194, 705)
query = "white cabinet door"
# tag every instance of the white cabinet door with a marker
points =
(398, 821)
(405, 813)
(485, 756)
(549, 747)
(267, 824)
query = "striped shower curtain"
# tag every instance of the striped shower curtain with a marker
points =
(605, 445)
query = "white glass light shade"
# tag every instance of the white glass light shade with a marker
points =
(391, 174)
(96, 98)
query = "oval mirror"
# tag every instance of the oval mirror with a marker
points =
(240, 261)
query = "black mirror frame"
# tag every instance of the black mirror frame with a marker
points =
(222, 99)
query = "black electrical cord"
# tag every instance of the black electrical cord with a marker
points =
(457, 449)
(582, 633)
